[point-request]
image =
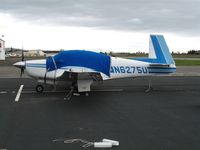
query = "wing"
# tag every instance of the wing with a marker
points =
(81, 74)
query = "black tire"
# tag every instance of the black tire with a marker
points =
(39, 88)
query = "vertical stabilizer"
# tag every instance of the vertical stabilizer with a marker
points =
(152, 53)
(159, 50)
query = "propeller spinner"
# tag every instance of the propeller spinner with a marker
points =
(21, 64)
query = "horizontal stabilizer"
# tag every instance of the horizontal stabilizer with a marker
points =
(159, 65)
(161, 68)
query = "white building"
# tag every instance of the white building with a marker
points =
(34, 53)
(2, 49)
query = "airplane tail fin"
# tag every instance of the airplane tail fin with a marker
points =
(159, 50)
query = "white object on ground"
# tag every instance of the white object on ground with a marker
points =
(105, 143)
(102, 144)
(114, 143)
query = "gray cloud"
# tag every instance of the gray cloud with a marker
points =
(172, 16)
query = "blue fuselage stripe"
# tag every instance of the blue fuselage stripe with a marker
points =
(150, 69)
(36, 65)
(161, 70)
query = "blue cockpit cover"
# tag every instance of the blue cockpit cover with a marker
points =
(80, 58)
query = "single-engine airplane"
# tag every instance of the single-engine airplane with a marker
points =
(82, 67)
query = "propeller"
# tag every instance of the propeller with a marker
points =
(22, 67)
(55, 72)
(21, 64)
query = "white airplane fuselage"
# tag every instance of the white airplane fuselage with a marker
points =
(120, 68)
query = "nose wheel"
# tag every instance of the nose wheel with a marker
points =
(39, 88)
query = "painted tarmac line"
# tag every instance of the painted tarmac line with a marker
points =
(3, 92)
(19, 93)
(100, 90)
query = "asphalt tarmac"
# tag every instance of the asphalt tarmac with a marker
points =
(168, 117)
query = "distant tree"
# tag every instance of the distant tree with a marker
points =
(194, 52)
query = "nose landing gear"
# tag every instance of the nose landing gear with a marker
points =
(39, 88)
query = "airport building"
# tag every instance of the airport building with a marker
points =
(2, 49)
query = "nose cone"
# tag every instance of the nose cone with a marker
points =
(20, 64)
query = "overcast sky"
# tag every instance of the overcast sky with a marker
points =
(109, 25)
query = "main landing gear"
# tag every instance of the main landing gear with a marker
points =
(74, 91)
(70, 93)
